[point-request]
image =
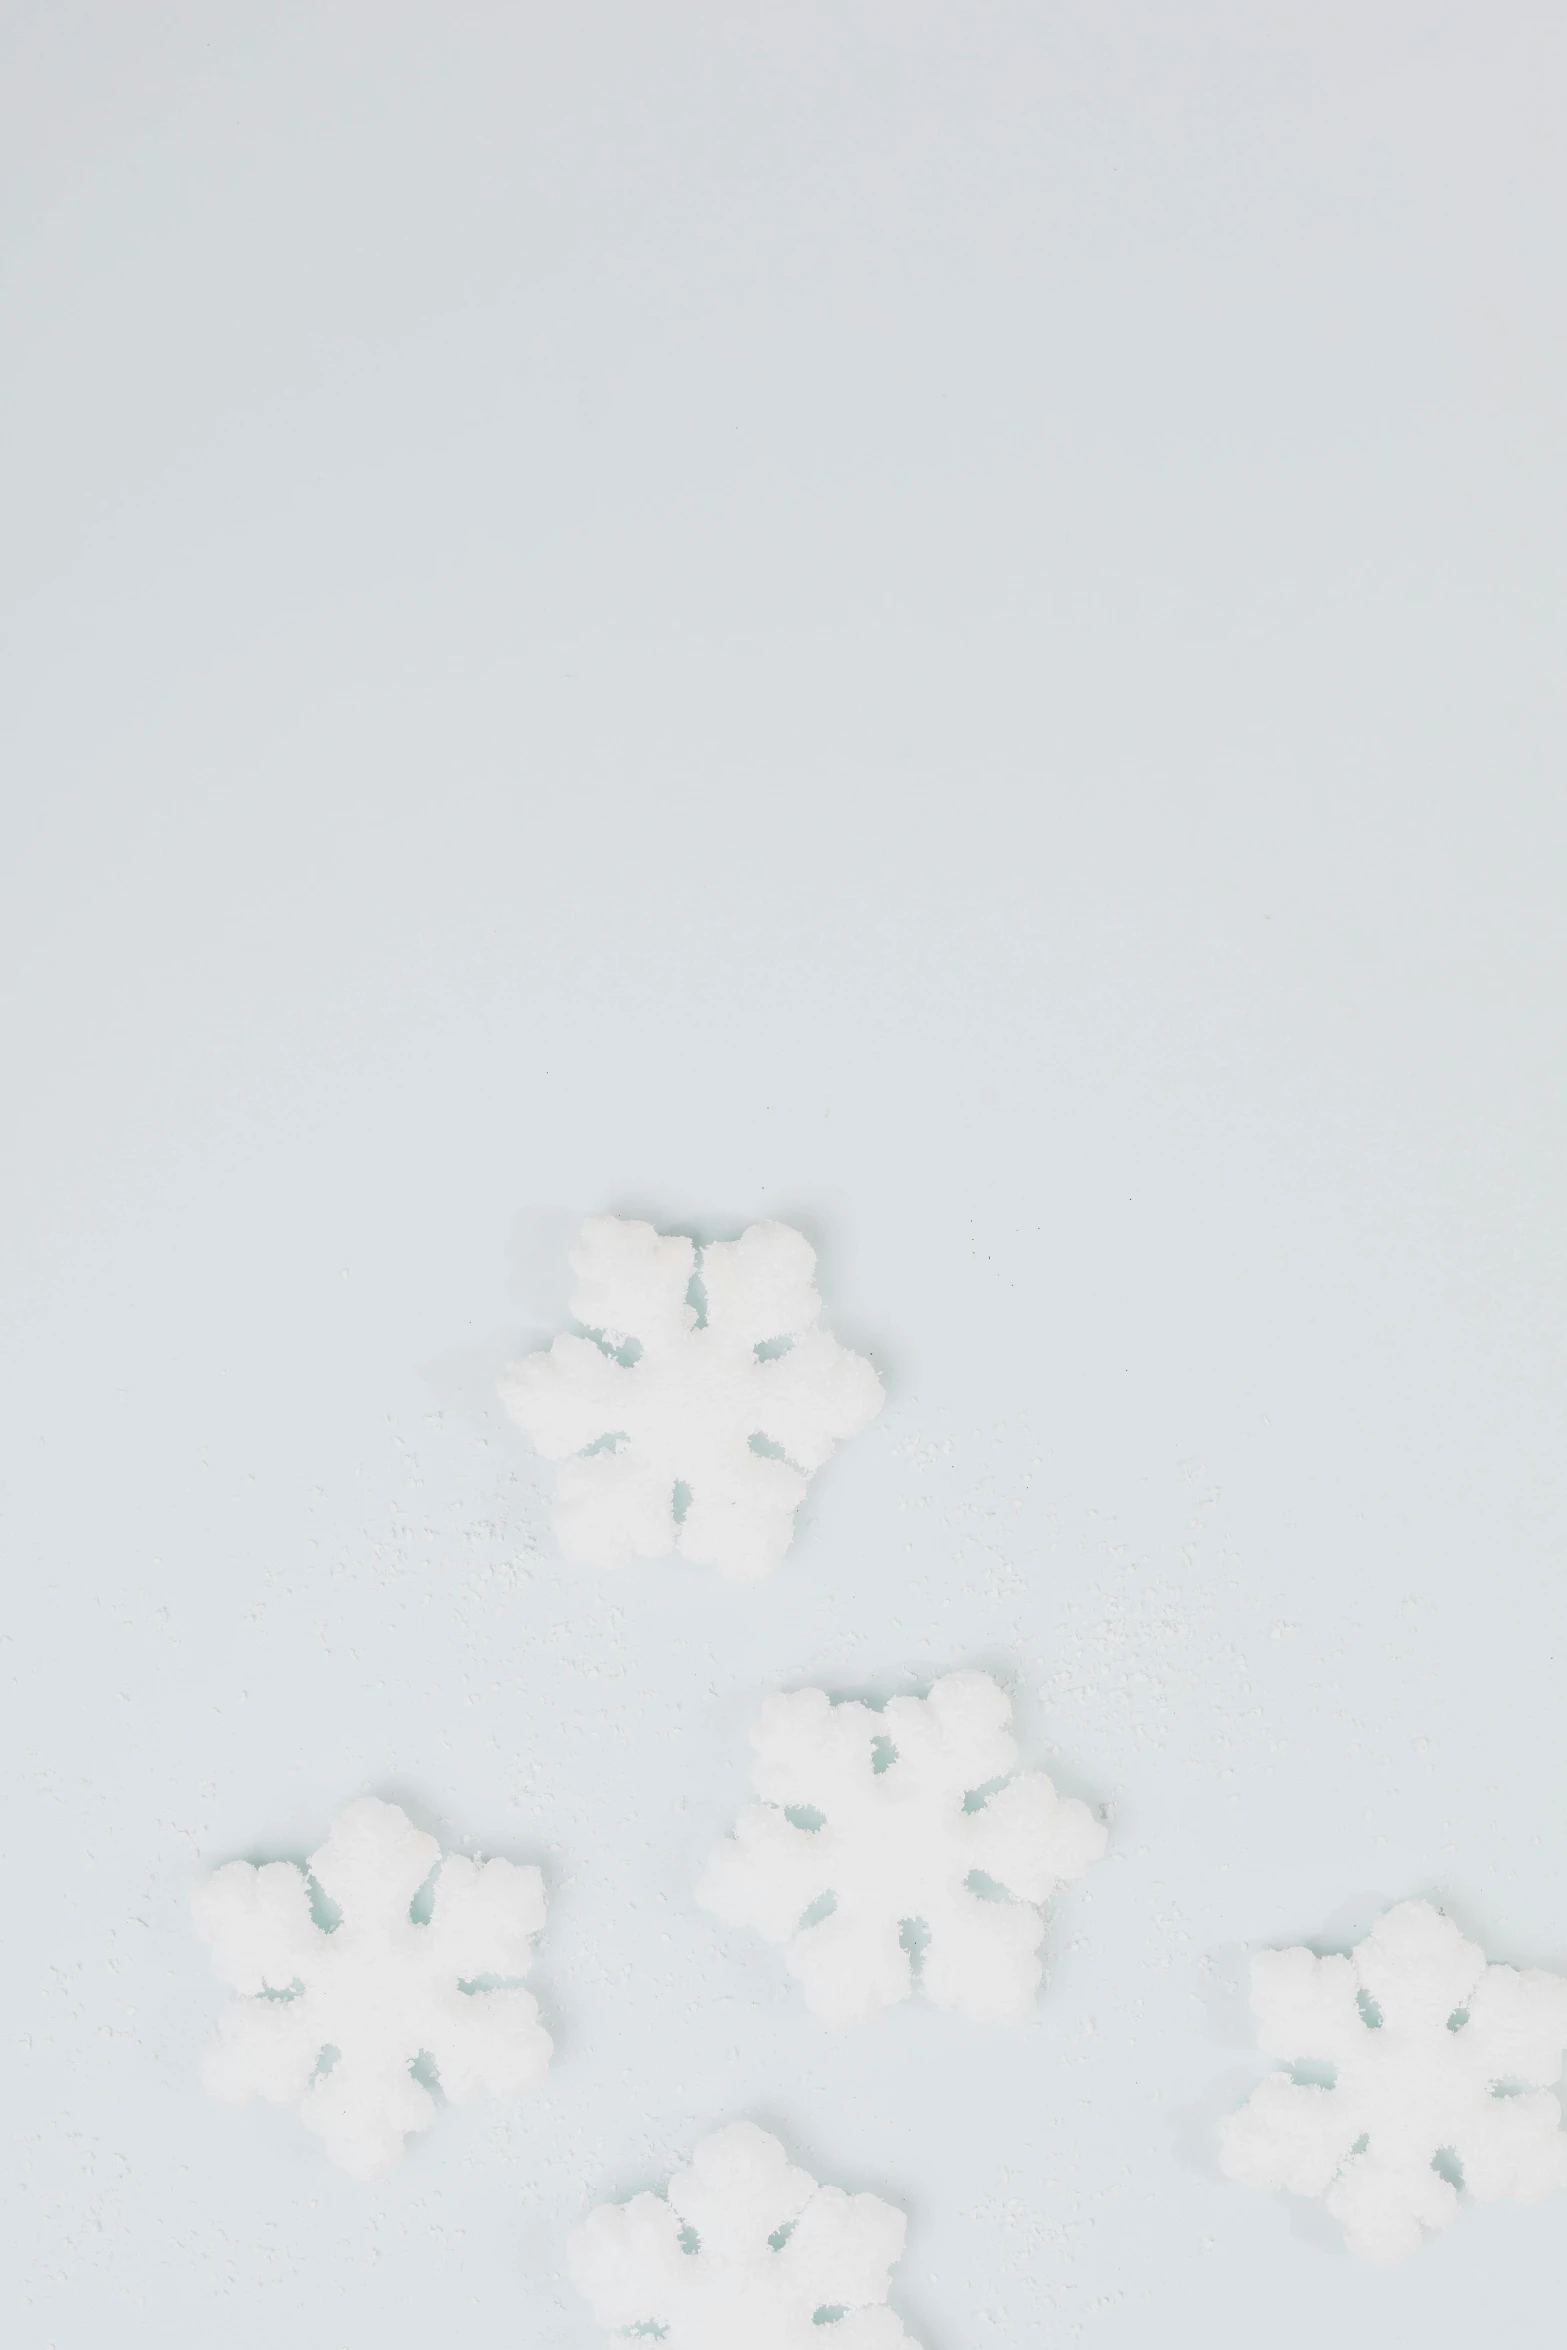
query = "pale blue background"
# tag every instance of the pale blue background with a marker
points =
(946, 622)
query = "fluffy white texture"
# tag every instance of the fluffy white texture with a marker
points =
(743, 2255)
(377, 1988)
(900, 1835)
(685, 1410)
(1456, 2067)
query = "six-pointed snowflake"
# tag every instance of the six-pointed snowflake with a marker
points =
(885, 1838)
(1438, 2065)
(747, 2253)
(690, 1416)
(334, 2019)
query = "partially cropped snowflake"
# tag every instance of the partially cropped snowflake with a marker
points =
(1416, 2067)
(689, 1417)
(899, 1840)
(336, 2018)
(747, 2253)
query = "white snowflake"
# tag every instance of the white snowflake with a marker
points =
(334, 2019)
(747, 2253)
(887, 1838)
(1437, 2064)
(689, 1417)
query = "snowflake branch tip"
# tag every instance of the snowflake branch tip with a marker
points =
(743, 2249)
(1441, 2069)
(686, 1426)
(897, 1846)
(333, 2020)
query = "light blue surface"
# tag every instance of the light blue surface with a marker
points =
(944, 624)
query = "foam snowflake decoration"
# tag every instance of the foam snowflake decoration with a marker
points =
(747, 2253)
(1437, 2067)
(894, 1838)
(689, 1417)
(335, 2018)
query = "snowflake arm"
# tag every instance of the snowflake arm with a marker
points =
(1290, 2135)
(741, 1521)
(1306, 2006)
(761, 1286)
(814, 1397)
(738, 2189)
(373, 1863)
(1417, 1966)
(611, 1508)
(1523, 2153)
(568, 1397)
(363, 2110)
(632, 1282)
(765, 1876)
(262, 2047)
(850, 1965)
(746, 2250)
(627, 2263)
(1521, 2022)
(1384, 2208)
(958, 1736)
(843, 2251)
(871, 1848)
(257, 1924)
(631, 1286)
(983, 1960)
(1033, 1840)
(337, 2017)
(1430, 2050)
(485, 1916)
(806, 1747)
(491, 2043)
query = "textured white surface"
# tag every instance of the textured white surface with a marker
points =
(377, 1991)
(1431, 2053)
(744, 2249)
(660, 1452)
(881, 1880)
(937, 624)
